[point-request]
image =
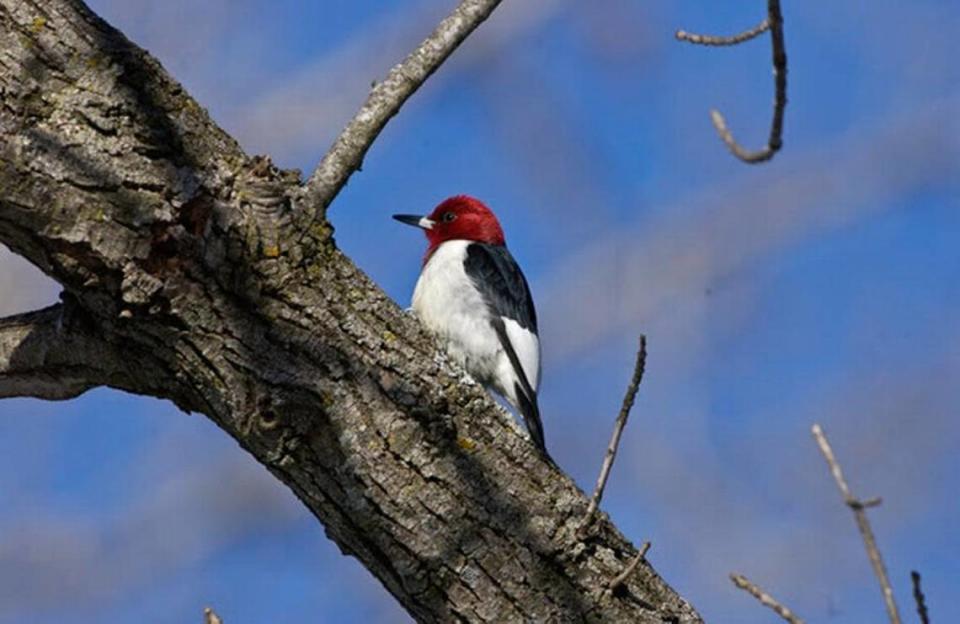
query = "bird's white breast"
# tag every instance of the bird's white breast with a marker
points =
(451, 307)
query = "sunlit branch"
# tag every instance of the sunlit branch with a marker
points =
(712, 40)
(385, 100)
(620, 423)
(774, 24)
(765, 599)
(863, 524)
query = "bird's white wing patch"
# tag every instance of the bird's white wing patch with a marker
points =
(527, 346)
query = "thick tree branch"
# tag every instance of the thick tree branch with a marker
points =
(386, 98)
(859, 509)
(184, 251)
(40, 357)
(773, 23)
(57, 354)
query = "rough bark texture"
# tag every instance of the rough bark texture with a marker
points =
(187, 275)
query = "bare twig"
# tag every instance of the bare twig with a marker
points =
(919, 598)
(863, 524)
(765, 599)
(773, 23)
(621, 578)
(209, 617)
(386, 98)
(621, 422)
(712, 40)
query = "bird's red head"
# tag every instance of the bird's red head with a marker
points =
(458, 218)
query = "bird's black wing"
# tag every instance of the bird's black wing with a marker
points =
(500, 281)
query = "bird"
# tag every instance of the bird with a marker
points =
(472, 295)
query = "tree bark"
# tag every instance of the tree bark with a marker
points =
(195, 273)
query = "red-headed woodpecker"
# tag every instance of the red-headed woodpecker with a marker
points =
(473, 296)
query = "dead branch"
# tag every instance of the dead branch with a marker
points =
(773, 23)
(712, 40)
(765, 599)
(621, 422)
(621, 578)
(210, 616)
(386, 98)
(863, 524)
(919, 598)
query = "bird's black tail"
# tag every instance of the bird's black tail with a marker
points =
(527, 404)
(526, 396)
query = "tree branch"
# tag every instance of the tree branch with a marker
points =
(385, 99)
(773, 23)
(919, 598)
(38, 360)
(210, 616)
(54, 354)
(765, 599)
(863, 524)
(620, 423)
(712, 40)
(183, 253)
(621, 578)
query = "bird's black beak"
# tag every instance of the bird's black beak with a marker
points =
(416, 220)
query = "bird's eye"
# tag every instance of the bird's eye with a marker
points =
(448, 217)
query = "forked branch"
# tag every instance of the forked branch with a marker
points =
(859, 509)
(168, 232)
(774, 24)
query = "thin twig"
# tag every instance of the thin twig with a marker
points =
(621, 422)
(773, 23)
(627, 571)
(209, 617)
(384, 101)
(919, 598)
(713, 40)
(765, 599)
(863, 524)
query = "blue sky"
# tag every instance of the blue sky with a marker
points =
(821, 287)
